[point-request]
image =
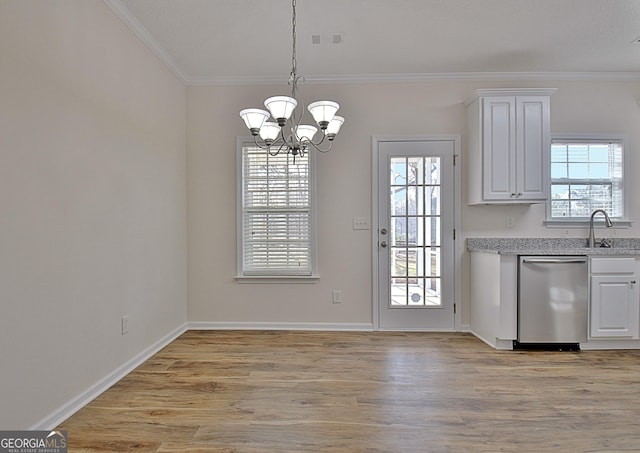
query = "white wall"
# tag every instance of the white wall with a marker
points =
(92, 202)
(344, 186)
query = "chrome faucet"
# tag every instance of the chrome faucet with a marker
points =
(607, 222)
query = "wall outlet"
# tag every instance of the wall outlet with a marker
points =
(336, 296)
(125, 324)
(509, 221)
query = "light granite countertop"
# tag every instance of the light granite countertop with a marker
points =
(551, 246)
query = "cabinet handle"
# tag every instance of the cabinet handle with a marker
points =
(633, 282)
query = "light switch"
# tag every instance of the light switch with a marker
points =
(361, 223)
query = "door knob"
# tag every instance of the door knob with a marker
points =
(383, 231)
(383, 244)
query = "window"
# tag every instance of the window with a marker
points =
(587, 173)
(275, 215)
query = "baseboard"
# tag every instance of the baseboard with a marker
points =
(415, 329)
(74, 405)
(595, 345)
(332, 326)
(465, 328)
(483, 339)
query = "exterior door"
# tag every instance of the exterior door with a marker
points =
(415, 234)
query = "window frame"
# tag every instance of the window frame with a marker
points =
(242, 276)
(619, 222)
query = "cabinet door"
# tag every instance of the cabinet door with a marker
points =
(533, 141)
(498, 144)
(614, 306)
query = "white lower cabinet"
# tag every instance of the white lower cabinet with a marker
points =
(614, 298)
(494, 290)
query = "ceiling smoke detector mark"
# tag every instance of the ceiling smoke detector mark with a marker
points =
(324, 39)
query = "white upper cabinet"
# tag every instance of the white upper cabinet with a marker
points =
(509, 143)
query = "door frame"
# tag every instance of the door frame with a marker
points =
(457, 249)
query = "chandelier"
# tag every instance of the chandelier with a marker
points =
(286, 132)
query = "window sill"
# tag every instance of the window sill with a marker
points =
(277, 278)
(585, 223)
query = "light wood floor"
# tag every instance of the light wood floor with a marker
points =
(227, 391)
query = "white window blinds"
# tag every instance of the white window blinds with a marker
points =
(586, 175)
(276, 214)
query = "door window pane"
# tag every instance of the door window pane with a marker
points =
(415, 199)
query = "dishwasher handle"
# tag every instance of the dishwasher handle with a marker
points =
(554, 260)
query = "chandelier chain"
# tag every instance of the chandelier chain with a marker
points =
(294, 61)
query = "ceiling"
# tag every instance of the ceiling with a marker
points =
(249, 41)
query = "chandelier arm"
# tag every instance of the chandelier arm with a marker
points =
(285, 143)
(280, 142)
(291, 140)
(295, 119)
(316, 146)
(265, 146)
(282, 146)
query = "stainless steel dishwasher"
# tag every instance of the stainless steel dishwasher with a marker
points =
(552, 301)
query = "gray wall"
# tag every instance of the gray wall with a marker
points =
(345, 188)
(92, 202)
(111, 171)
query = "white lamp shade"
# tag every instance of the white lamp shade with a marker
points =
(269, 131)
(323, 111)
(281, 106)
(334, 125)
(305, 132)
(254, 118)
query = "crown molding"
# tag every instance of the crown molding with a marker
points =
(424, 77)
(143, 35)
